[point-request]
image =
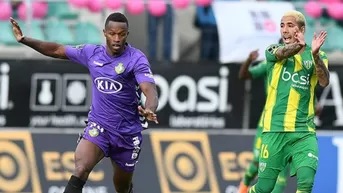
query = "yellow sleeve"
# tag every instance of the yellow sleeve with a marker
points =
(324, 57)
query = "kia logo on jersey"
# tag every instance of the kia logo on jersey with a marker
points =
(107, 85)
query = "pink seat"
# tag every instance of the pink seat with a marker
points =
(313, 9)
(5, 11)
(335, 11)
(135, 7)
(180, 4)
(113, 4)
(157, 8)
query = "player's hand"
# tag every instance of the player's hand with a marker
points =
(18, 34)
(253, 55)
(317, 42)
(300, 38)
(147, 113)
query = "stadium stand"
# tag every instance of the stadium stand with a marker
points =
(68, 25)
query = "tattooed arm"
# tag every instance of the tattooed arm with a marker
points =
(322, 71)
(288, 50)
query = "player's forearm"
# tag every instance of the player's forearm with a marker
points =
(243, 71)
(50, 49)
(151, 102)
(288, 51)
(322, 72)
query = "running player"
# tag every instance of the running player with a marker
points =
(293, 71)
(246, 73)
(114, 128)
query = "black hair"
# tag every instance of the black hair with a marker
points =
(117, 17)
(280, 41)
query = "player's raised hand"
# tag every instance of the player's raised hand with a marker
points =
(253, 55)
(317, 42)
(18, 34)
(151, 116)
(300, 38)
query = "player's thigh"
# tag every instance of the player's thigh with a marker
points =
(284, 173)
(91, 148)
(304, 151)
(257, 144)
(124, 155)
(272, 156)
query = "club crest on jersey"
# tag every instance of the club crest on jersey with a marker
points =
(272, 48)
(93, 132)
(119, 68)
(307, 64)
(262, 166)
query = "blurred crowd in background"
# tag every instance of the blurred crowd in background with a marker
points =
(81, 21)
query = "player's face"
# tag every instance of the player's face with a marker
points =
(116, 34)
(289, 27)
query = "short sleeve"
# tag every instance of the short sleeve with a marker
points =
(324, 57)
(270, 52)
(259, 70)
(142, 71)
(79, 54)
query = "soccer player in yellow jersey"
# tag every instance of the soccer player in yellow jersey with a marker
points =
(256, 72)
(289, 137)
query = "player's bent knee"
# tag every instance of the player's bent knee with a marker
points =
(82, 171)
(305, 184)
(265, 185)
(305, 177)
(263, 189)
(123, 188)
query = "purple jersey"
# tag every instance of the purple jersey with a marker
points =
(115, 80)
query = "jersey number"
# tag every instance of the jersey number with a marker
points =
(264, 151)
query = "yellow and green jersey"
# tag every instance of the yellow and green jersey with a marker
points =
(260, 71)
(290, 104)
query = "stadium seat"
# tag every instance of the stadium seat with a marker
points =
(58, 31)
(324, 20)
(86, 32)
(61, 10)
(36, 30)
(334, 37)
(310, 20)
(309, 34)
(6, 35)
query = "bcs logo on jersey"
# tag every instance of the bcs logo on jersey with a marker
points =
(107, 85)
(329, 175)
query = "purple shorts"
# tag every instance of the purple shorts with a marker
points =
(123, 150)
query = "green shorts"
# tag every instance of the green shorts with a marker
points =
(257, 144)
(278, 149)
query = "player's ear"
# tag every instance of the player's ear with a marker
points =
(104, 32)
(302, 29)
(127, 33)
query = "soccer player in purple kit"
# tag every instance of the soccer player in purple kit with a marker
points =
(118, 71)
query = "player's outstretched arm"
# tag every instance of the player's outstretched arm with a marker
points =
(244, 73)
(50, 49)
(320, 59)
(322, 72)
(289, 50)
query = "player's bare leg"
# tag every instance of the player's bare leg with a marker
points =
(87, 155)
(122, 179)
